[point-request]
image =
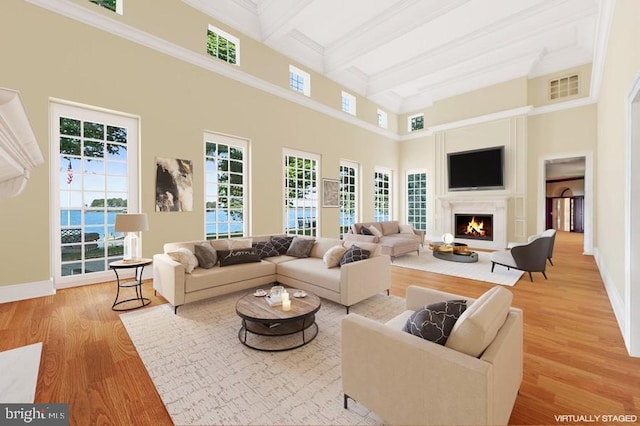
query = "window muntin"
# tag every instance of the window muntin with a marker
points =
(382, 195)
(112, 5)
(415, 122)
(225, 186)
(223, 45)
(301, 192)
(348, 103)
(564, 87)
(417, 200)
(299, 81)
(348, 195)
(383, 119)
(94, 178)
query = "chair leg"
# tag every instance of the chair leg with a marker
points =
(550, 261)
(346, 401)
(493, 265)
(530, 276)
(545, 275)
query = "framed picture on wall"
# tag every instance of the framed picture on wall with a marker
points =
(330, 193)
(174, 185)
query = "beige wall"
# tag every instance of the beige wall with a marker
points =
(622, 67)
(538, 87)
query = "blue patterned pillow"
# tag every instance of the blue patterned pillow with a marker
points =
(434, 322)
(353, 254)
(265, 249)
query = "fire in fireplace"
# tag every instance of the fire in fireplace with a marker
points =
(474, 226)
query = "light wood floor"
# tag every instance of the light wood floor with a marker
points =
(575, 361)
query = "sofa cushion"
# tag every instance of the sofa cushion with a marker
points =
(322, 245)
(332, 256)
(354, 254)
(406, 229)
(281, 243)
(435, 321)
(375, 231)
(186, 258)
(390, 227)
(300, 247)
(239, 243)
(265, 249)
(479, 324)
(237, 256)
(311, 270)
(206, 255)
(202, 279)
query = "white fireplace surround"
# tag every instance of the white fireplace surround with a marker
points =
(497, 206)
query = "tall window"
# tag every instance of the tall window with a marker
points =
(225, 186)
(223, 46)
(382, 195)
(95, 177)
(415, 122)
(348, 103)
(417, 200)
(299, 81)
(112, 5)
(348, 195)
(301, 192)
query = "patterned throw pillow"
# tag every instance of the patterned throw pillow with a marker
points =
(434, 322)
(186, 258)
(365, 231)
(281, 243)
(236, 257)
(206, 255)
(353, 254)
(265, 249)
(300, 247)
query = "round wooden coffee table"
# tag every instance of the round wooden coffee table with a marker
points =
(271, 329)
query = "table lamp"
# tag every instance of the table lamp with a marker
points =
(132, 224)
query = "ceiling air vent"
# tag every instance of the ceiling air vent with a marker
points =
(563, 87)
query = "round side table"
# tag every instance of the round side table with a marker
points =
(136, 282)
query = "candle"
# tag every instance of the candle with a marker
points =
(286, 304)
(285, 295)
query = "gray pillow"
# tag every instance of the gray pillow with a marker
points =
(206, 255)
(300, 247)
(434, 322)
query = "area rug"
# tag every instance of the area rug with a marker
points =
(480, 270)
(205, 376)
(19, 376)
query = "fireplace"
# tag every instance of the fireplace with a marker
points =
(474, 226)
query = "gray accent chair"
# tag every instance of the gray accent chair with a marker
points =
(530, 257)
(551, 233)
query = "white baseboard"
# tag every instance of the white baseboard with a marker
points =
(15, 292)
(617, 302)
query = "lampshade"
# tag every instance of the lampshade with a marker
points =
(131, 222)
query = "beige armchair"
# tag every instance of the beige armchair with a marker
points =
(473, 379)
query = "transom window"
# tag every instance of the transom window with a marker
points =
(382, 195)
(348, 103)
(563, 87)
(383, 120)
(348, 195)
(223, 45)
(299, 81)
(112, 5)
(301, 192)
(417, 200)
(225, 186)
(415, 122)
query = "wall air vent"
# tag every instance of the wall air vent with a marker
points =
(563, 87)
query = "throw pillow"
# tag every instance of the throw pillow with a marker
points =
(186, 258)
(332, 256)
(265, 249)
(364, 230)
(300, 247)
(239, 243)
(206, 255)
(406, 229)
(237, 256)
(434, 322)
(354, 254)
(281, 243)
(375, 231)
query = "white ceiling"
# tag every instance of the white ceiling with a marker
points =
(406, 54)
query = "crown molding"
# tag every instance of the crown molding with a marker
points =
(115, 27)
(574, 103)
(603, 29)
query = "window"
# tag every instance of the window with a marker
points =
(301, 192)
(417, 200)
(382, 195)
(112, 5)
(416, 122)
(348, 103)
(225, 186)
(299, 81)
(348, 195)
(223, 46)
(95, 177)
(383, 120)
(563, 87)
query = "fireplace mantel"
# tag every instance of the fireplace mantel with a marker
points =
(497, 206)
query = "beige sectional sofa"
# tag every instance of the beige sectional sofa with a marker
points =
(347, 284)
(394, 239)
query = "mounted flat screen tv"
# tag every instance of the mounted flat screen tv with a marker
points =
(479, 169)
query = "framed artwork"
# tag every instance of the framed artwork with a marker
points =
(174, 185)
(330, 193)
